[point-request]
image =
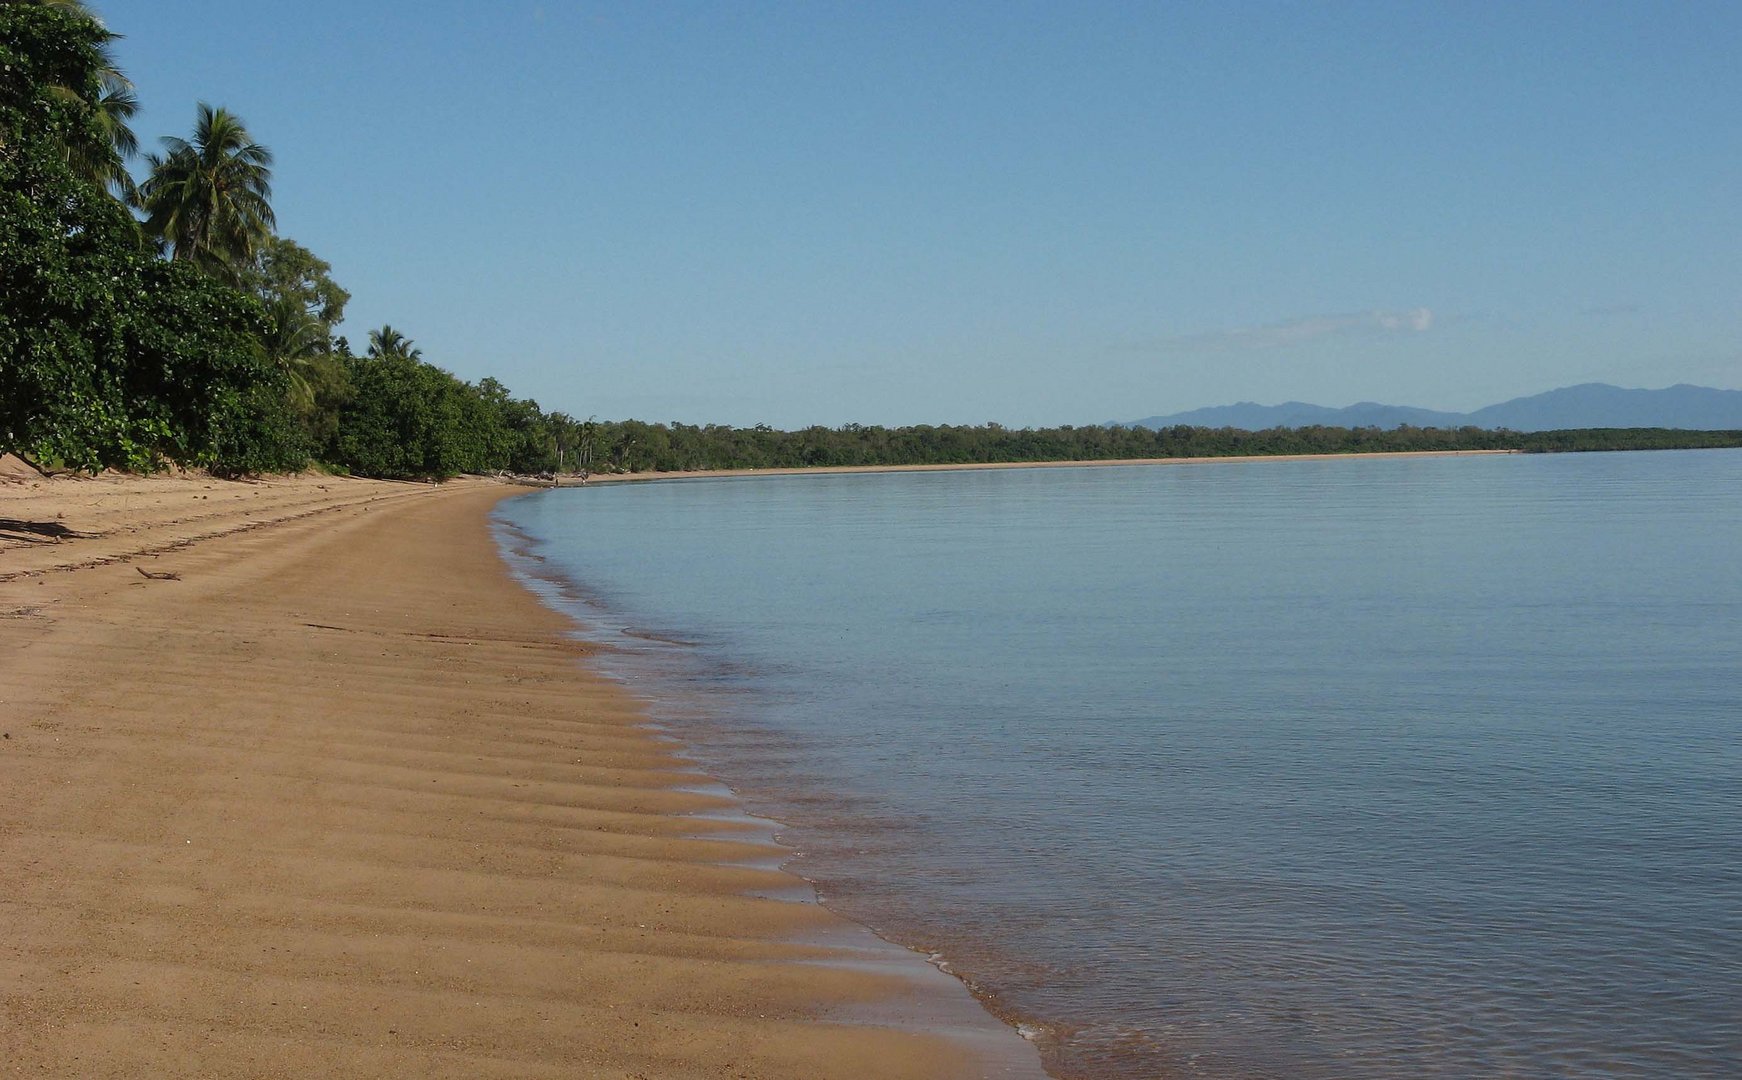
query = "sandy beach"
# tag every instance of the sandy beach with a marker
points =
(821, 470)
(296, 780)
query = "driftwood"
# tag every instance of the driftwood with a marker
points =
(545, 480)
(155, 575)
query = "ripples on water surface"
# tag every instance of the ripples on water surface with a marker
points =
(1365, 768)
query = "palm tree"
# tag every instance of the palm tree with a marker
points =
(113, 104)
(105, 163)
(210, 199)
(388, 343)
(293, 341)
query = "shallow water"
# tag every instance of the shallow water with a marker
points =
(1356, 768)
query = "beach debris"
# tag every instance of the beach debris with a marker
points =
(158, 575)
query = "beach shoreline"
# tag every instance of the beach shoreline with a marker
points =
(301, 780)
(573, 480)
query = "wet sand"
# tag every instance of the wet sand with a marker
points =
(329, 794)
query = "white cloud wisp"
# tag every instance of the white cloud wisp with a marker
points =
(1307, 328)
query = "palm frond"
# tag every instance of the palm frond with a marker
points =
(388, 343)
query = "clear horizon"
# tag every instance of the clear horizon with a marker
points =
(1011, 213)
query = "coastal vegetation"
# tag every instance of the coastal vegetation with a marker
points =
(632, 446)
(164, 320)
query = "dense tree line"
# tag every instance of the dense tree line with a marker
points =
(163, 321)
(637, 447)
(109, 355)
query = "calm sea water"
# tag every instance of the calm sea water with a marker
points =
(1364, 768)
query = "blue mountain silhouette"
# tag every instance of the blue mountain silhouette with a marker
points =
(1589, 405)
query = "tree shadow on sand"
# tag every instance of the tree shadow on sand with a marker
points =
(39, 532)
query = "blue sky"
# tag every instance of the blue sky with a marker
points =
(1029, 213)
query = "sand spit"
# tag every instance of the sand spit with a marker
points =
(326, 793)
(825, 470)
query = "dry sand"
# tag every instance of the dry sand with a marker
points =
(339, 798)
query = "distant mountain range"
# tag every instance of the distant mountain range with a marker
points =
(1589, 405)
